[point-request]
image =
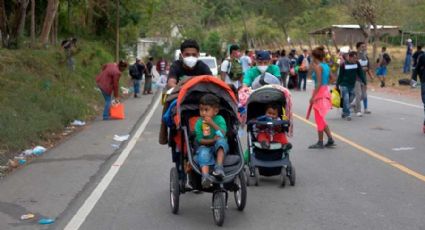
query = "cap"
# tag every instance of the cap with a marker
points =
(409, 40)
(263, 55)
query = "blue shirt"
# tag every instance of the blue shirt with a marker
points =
(326, 74)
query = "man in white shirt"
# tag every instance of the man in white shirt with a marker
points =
(245, 61)
(229, 73)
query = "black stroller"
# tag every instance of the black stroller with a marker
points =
(274, 159)
(186, 176)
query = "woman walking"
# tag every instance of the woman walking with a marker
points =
(320, 100)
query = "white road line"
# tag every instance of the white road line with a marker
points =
(395, 101)
(81, 215)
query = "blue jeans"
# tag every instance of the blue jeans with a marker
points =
(205, 155)
(347, 96)
(407, 63)
(136, 85)
(302, 76)
(108, 102)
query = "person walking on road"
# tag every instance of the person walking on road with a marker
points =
(421, 71)
(304, 64)
(136, 72)
(108, 83)
(383, 61)
(231, 68)
(360, 87)
(349, 71)
(408, 59)
(264, 66)
(284, 65)
(148, 77)
(320, 100)
(415, 58)
(187, 67)
(245, 62)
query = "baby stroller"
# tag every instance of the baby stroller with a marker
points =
(274, 159)
(186, 175)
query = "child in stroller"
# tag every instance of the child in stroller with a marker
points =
(270, 134)
(210, 129)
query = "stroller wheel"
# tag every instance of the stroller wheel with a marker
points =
(283, 178)
(174, 190)
(218, 207)
(257, 176)
(247, 175)
(291, 175)
(240, 194)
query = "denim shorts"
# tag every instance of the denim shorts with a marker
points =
(381, 71)
(205, 155)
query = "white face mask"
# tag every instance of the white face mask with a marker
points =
(262, 68)
(190, 61)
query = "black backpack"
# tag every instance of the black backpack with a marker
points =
(387, 58)
(133, 70)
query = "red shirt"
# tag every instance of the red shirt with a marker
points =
(108, 79)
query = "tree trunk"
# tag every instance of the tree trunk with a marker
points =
(32, 23)
(22, 15)
(3, 25)
(376, 37)
(51, 10)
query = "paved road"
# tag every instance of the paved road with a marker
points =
(364, 183)
(374, 179)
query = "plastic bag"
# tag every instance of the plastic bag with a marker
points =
(336, 98)
(117, 111)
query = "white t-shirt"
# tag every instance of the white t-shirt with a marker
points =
(225, 67)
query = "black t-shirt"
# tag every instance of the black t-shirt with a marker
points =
(178, 71)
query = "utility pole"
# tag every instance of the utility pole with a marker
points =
(117, 42)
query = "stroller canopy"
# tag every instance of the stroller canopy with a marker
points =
(191, 92)
(260, 98)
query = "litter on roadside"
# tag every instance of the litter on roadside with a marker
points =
(46, 221)
(115, 146)
(13, 163)
(403, 149)
(121, 138)
(78, 123)
(27, 152)
(27, 216)
(38, 150)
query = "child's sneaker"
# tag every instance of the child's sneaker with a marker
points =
(218, 171)
(206, 183)
(265, 145)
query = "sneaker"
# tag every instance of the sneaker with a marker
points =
(367, 112)
(318, 145)
(218, 171)
(330, 144)
(265, 145)
(206, 183)
(359, 114)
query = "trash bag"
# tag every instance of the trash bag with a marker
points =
(117, 111)
(336, 98)
(404, 81)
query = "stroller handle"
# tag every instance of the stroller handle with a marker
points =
(226, 178)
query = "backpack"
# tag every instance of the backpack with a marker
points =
(387, 58)
(234, 70)
(133, 70)
(304, 65)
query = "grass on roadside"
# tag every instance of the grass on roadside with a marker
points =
(39, 96)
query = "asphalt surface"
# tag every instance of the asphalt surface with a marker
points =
(357, 185)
